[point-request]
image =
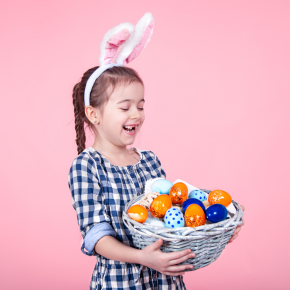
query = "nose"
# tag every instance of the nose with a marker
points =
(135, 114)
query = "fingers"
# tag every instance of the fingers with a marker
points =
(181, 259)
(178, 255)
(157, 244)
(237, 230)
(179, 268)
(243, 207)
(233, 238)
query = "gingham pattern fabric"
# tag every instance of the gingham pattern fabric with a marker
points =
(100, 192)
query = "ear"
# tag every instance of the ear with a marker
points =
(93, 114)
(114, 38)
(138, 41)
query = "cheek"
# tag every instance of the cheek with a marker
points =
(143, 117)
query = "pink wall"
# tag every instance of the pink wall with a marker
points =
(217, 115)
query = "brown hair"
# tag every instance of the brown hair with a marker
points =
(114, 76)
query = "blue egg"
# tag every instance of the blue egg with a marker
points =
(162, 186)
(198, 194)
(174, 218)
(216, 213)
(192, 201)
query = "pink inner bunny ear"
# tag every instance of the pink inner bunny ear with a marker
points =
(112, 40)
(113, 44)
(137, 41)
(142, 44)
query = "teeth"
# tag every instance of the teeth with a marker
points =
(128, 128)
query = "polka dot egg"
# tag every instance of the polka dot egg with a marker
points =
(174, 218)
(198, 194)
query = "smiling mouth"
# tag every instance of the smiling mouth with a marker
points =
(129, 128)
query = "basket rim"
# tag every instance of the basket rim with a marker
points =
(204, 230)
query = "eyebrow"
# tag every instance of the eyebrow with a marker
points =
(128, 100)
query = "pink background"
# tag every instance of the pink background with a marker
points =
(217, 115)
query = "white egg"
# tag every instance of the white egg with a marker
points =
(155, 222)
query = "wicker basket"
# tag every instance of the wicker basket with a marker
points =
(207, 241)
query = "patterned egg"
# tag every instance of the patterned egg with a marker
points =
(194, 216)
(162, 186)
(178, 193)
(216, 213)
(174, 218)
(198, 194)
(219, 196)
(192, 201)
(138, 213)
(160, 205)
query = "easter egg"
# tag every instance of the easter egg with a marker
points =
(194, 216)
(219, 196)
(162, 186)
(178, 193)
(198, 194)
(160, 205)
(155, 222)
(192, 201)
(174, 218)
(216, 213)
(138, 213)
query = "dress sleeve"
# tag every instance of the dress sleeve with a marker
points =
(88, 201)
(160, 171)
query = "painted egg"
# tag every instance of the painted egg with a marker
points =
(178, 193)
(216, 213)
(160, 205)
(178, 206)
(138, 213)
(155, 222)
(220, 197)
(162, 186)
(194, 216)
(198, 194)
(192, 201)
(174, 218)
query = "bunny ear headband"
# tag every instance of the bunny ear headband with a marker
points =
(133, 41)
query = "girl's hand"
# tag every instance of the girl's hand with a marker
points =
(152, 257)
(235, 234)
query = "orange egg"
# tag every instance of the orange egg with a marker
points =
(178, 193)
(138, 213)
(160, 205)
(194, 216)
(219, 196)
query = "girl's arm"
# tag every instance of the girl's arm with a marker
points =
(151, 256)
(113, 249)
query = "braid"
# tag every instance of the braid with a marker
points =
(79, 122)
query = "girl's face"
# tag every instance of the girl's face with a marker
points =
(123, 115)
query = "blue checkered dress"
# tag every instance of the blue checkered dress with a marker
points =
(100, 192)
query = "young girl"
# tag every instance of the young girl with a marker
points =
(106, 176)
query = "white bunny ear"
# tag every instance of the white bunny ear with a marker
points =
(112, 40)
(138, 41)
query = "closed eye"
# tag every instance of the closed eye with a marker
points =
(128, 109)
